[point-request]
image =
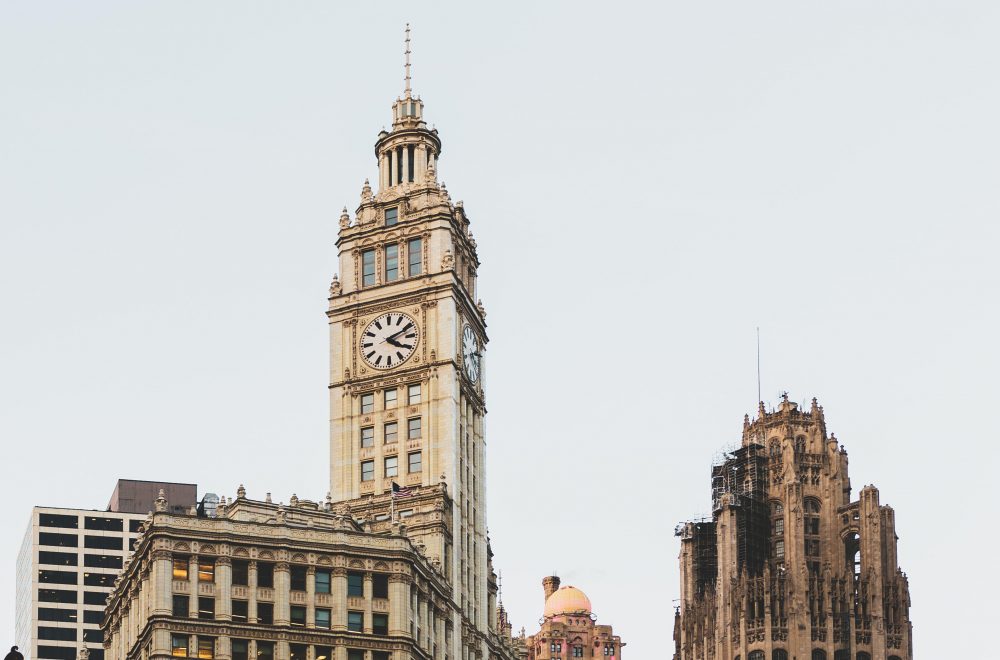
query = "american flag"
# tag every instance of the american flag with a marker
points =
(399, 491)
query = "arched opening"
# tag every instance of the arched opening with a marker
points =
(811, 521)
(818, 654)
(777, 532)
(779, 654)
(864, 656)
(756, 655)
(852, 554)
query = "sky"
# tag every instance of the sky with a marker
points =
(648, 183)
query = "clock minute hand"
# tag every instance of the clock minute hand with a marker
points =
(394, 335)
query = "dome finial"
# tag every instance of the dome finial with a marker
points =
(406, 53)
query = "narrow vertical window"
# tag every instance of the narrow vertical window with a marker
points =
(368, 268)
(416, 462)
(413, 395)
(391, 432)
(391, 216)
(391, 262)
(415, 257)
(367, 470)
(390, 399)
(391, 466)
(413, 428)
(367, 403)
(368, 436)
(409, 158)
(399, 168)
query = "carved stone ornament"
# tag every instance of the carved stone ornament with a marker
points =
(161, 501)
(366, 192)
(345, 219)
(482, 310)
(335, 287)
(448, 260)
(241, 492)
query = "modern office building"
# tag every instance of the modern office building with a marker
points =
(68, 563)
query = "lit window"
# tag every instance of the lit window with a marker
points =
(391, 432)
(367, 403)
(368, 267)
(180, 568)
(179, 646)
(355, 621)
(413, 428)
(322, 618)
(367, 436)
(390, 399)
(415, 257)
(391, 216)
(206, 648)
(391, 466)
(416, 462)
(413, 394)
(206, 570)
(355, 584)
(391, 262)
(367, 470)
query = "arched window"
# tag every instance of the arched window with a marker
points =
(841, 655)
(775, 447)
(811, 538)
(777, 531)
(818, 654)
(756, 655)
(852, 555)
(864, 656)
(779, 654)
(800, 445)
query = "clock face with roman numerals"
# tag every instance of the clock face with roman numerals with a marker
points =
(389, 340)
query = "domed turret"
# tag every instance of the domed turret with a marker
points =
(567, 600)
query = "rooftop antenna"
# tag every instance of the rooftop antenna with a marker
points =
(758, 365)
(407, 54)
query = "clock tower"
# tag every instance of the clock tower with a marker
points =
(406, 367)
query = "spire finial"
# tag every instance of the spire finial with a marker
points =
(407, 54)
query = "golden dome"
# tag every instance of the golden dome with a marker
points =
(567, 600)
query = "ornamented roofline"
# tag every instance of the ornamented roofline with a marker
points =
(787, 414)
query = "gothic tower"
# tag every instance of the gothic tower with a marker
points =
(406, 366)
(789, 566)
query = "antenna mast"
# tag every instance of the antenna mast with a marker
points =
(758, 365)
(407, 66)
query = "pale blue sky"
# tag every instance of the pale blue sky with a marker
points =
(171, 174)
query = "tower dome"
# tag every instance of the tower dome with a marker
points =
(567, 600)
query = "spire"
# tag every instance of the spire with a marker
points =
(407, 55)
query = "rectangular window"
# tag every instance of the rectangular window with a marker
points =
(380, 624)
(779, 527)
(367, 403)
(368, 436)
(241, 611)
(206, 570)
(577, 651)
(356, 621)
(93, 636)
(391, 216)
(390, 399)
(134, 525)
(57, 577)
(322, 582)
(265, 650)
(812, 526)
(368, 268)
(104, 542)
(352, 654)
(355, 584)
(413, 428)
(57, 558)
(179, 646)
(57, 540)
(240, 649)
(206, 607)
(102, 561)
(380, 585)
(265, 613)
(99, 579)
(384, 655)
(265, 574)
(391, 432)
(413, 395)
(181, 606)
(322, 617)
(57, 634)
(322, 653)
(241, 572)
(57, 520)
(206, 648)
(180, 564)
(367, 470)
(779, 549)
(391, 262)
(95, 598)
(297, 615)
(391, 466)
(416, 462)
(415, 256)
(58, 652)
(103, 524)
(53, 614)
(93, 616)
(297, 651)
(298, 578)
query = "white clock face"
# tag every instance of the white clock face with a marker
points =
(470, 353)
(389, 340)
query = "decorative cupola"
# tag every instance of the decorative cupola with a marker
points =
(407, 155)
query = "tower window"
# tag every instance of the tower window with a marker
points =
(391, 432)
(416, 462)
(413, 428)
(391, 216)
(368, 436)
(355, 621)
(399, 167)
(355, 584)
(368, 268)
(380, 624)
(391, 262)
(179, 646)
(391, 466)
(390, 399)
(415, 257)
(409, 156)
(367, 403)
(413, 394)
(367, 470)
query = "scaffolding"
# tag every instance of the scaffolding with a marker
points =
(739, 479)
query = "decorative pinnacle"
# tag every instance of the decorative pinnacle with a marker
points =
(407, 54)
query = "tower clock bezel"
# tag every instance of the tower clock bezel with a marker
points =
(372, 331)
(468, 334)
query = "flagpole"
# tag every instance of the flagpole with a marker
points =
(392, 506)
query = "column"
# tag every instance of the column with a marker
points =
(224, 648)
(223, 589)
(393, 165)
(162, 582)
(282, 589)
(406, 163)
(339, 589)
(383, 172)
(340, 652)
(193, 587)
(398, 603)
(252, 595)
(281, 650)
(311, 597)
(368, 603)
